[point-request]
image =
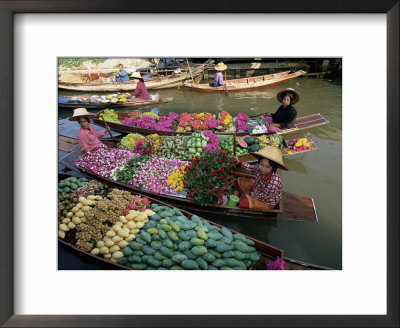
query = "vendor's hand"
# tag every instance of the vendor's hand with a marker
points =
(236, 158)
(276, 125)
(108, 128)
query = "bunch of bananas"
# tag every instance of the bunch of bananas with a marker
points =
(264, 141)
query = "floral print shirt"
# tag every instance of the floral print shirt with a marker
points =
(267, 190)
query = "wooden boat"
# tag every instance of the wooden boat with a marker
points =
(301, 123)
(268, 252)
(160, 82)
(291, 207)
(100, 105)
(250, 83)
(70, 144)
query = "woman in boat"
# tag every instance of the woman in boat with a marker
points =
(123, 75)
(88, 137)
(286, 113)
(264, 191)
(141, 90)
(218, 77)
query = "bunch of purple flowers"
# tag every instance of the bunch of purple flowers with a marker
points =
(241, 121)
(213, 142)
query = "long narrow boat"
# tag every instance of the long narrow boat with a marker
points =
(291, 207)
(268, 252)
(100, 105)
(301, 123)
(250, 83)
(162, 82)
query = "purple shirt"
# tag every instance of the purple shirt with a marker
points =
(141, 91)
(218, 79)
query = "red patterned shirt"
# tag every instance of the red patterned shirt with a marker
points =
(266, 190)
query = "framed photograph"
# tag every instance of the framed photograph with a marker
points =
(41, 32)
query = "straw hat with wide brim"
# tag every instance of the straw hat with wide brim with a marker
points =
(273, 154)
(295, 96)
(136, 75)
(221, 67)
(81, 112)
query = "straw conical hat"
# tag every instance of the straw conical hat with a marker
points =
(220, 67)
(136, 75)
(81, 112)
(272, 153)
(295, 96)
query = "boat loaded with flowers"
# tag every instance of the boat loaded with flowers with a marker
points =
(185, 123)
(111, 100)
(122, 229)
(201, 182)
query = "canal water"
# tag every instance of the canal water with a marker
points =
(316, 174)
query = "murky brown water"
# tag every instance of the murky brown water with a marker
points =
(316, 174)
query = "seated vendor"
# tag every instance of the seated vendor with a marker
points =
(286, 113)
(218, 77)
(264, 191)
(123, 75)
(88, 137)
(141, 90)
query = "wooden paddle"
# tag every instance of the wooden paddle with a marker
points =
(190, 71)
(109, 131)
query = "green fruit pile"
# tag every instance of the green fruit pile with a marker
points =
(226, 143)
(172, 241)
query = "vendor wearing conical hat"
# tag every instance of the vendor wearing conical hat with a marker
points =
(141, 90)
(286, 114)
(88, 137)
(264, 191)
(218, 77)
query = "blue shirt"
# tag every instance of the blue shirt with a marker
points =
(218, 79)
(124, 76)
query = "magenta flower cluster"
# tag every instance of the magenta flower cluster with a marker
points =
(103, 161)
(213, 143)
(213, 123)
(127, 121)
(241, 121)
(146, 123)
(165, 124)
(154, 174)
(278, 264)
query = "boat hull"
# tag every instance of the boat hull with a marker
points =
(89, 105)
(252, 83)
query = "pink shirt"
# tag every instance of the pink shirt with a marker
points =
(141, 91)
(269, 191)
(89, 139)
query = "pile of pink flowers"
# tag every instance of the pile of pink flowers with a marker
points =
(166, 122)
(154, 174)
(147, 122)
(278, 264)
(103, 161)
(127, 121)
(213, 143)
(241, 121)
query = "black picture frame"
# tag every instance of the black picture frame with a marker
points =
(7, 11)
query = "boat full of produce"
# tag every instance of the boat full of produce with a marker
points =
(203, 182)
(127, 230)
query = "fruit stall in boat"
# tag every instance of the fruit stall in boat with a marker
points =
(250, 83)
(186, 123)
(105, 101)
(123, 229)
(164, 177)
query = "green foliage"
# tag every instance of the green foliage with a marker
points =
(69, 62)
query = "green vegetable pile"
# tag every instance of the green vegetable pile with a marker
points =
(129, 141)
(130, 168)
(196, 144)
(174, 147)
(226, 143)
(110, 116)
(171, 241)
